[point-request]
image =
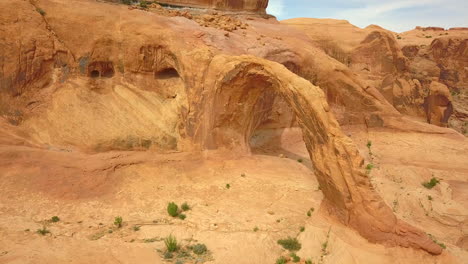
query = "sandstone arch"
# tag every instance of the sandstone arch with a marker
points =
(240, 85)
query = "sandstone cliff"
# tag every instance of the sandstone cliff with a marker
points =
(77, 79)
(231, 5)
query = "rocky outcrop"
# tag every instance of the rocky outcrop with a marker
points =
(231, 5)
(165, 83)
(378, 53)
(438, 104)
(430, 28)
(445, 61)
(402, 74)
(239, 101)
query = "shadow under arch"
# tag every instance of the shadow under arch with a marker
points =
(241, 87)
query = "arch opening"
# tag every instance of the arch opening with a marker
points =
(95, 74)
(103, 69)
(242, 102)
(168, 73)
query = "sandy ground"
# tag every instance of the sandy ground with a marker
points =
(267, 192)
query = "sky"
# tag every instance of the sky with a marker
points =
(395, 15)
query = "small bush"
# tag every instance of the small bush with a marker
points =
(302, 229)
(324, 247)
(281, 260)
(309, 214)
(291, 244)
(182, 216)
(171, 243)
(309, 261)
(44, 231)
(126, 2)
(255, 229)
(172, 209)
(429, 198)
(199, 249)
(185, 207)
(228, 186)
(431, 184)
(55, 219)
(143, 4)
(136, 228)
(295, 258)
(151, 240)
(41, 11)
(442, 245)
(118, 221)
(168, 255)
(428, 36)
(300, 160)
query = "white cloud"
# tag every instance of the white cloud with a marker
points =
(388, 13)
(276, 7)
(376, 8)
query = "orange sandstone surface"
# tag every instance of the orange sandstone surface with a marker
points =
(306, 128)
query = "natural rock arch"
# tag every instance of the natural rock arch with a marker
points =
(236, 87)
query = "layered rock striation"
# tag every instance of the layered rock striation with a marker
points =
(86, 80)
(258, 6)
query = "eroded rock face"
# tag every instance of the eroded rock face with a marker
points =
(242, 86)
(232, 5)
(163, 88)
(402, 67)
(438, 104)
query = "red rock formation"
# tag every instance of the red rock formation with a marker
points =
(438, 104)
(231, 5)
(430, 28)
(175, 90)
(459, 28)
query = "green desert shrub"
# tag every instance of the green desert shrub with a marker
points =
(281, 260)
(185, 207)
(168, 255)
(55, 219)
(291, 244)
(431, 184)
(199, 249)
(143, 4)
(171, 243)
(295, 258)
(172, 209)
(41, 11)
(43, 231)
(118, 221)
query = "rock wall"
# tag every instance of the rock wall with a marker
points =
(231, 5)
(146, 80)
